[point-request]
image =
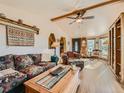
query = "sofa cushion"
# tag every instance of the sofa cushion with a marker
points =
(36, 57)
(2, 66)
(32, 71)
(9, 79)
(22, 61)
(6, 62)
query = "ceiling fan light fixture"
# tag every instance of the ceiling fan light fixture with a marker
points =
(79, 20)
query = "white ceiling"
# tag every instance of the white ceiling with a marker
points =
(104, 16)
(46, 6)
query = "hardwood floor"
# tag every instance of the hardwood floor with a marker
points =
(96, 77)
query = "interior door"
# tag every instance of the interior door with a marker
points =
(76, 44)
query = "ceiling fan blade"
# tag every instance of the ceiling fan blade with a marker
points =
(72, 22)
(88, 17)
(78, 15)
(71, 17)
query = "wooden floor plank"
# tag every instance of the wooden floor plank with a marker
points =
(96, 77)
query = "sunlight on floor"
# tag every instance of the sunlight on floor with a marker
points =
(96, 77)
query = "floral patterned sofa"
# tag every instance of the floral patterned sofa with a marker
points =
(15, 69)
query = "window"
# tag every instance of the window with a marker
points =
(103, 46)
(90, 45)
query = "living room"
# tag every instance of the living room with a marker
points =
(41, 38)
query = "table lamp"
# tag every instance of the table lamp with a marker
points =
(55, 45)
(54, 58)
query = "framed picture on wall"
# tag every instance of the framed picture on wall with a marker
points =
(19, 37)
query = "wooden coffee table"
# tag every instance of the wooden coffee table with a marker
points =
(67, 84)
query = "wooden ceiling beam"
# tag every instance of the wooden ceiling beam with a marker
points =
(101, 4)
(84, 9)
(65, 15)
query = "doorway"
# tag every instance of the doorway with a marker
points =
(76, 44)
(62, 45)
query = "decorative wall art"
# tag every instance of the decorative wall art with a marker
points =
(51, 40)
(19, 37)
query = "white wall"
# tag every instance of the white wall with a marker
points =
(41, 40)
(104, 17)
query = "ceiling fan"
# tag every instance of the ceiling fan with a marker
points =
(81, 12)
(79, 18)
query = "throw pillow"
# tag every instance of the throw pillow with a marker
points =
(36, 57)
(22, 61)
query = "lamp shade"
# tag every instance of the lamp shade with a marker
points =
(55, 44)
